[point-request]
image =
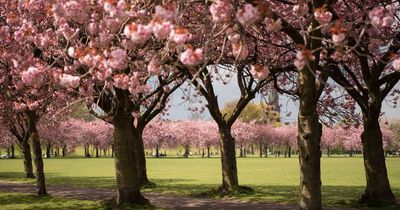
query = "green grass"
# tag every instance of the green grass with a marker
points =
(275, 180)
(16, 201)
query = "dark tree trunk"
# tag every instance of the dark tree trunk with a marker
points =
(57, 151)
(12, 151)
(289, 151)
(97, 152)
(261, 148)
(48, 148)
(203, 153)
(265, 150)
(187, 151)
(241, 151)
(104, 153)
(27, 158)
(252, 149)
(329, 151)
(140, 157)
(128, 188)
(230, 180)
(112, 150)
(378, 189)
(208, 152)
(37, 151)
(64, 151)
(157, 152)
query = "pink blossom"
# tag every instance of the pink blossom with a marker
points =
(167, 11)
(381, 17)
(191, 57)
(301, 10)
(180, 35)
(117, 59)
(33, 105)
(302, 57)
(19, 106)
(161, 28)
(338, 38)
(234, 37)
(272, 25)
(259, 71)
(121, 81)
(248, 14)
(387, 21)
(242, 49)
(69, 81)
(221, 10)
(154, 67)
(137, 33)
(323, 16)
(396, 64)
(32, 77)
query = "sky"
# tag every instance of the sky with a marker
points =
(230, 92)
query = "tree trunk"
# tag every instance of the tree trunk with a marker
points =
(37, 152)
(309, 139)
(140, 157)
(187, 152)
(230, 180)
(64, 151)
(208, 152)
(12, 151)
(378, 189)
(97, 152)
(27, 158)
(48, 148)
(266, 150)
(241, 151)
(157, 152)
(128, 189)
(289, 151)
(329, 151)
(203, 153)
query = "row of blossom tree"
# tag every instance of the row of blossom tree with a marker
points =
(203, 135)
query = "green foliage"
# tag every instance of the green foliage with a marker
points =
(258, 112)
(275, 180)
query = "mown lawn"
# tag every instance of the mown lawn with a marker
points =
(275, 180)
(19, 201)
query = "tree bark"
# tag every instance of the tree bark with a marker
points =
(208, 152)
(230, 180)
(37, 152)
(97, 152)
(157, 152)
(140, 157)
(378, 189)
(48, 148)
(309, 139)
(27, 158)
(12, 151)
(128, 188)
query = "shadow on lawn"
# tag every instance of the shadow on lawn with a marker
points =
(32, 202)
(284, 194)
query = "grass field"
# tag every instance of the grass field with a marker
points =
(275, 180)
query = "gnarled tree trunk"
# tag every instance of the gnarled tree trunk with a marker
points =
(230, 180)
(37, 152)
(140, 157)
(378, 189)
(27, 159)
(128, 189)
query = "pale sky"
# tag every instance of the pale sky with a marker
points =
(231, 92)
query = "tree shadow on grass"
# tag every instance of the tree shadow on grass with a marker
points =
(32, 202)
(341, 196)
